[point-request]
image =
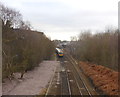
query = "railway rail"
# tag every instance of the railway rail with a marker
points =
(69, 80)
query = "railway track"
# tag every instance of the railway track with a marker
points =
(59, 84)
(83, 89)
(69, 80)
(86, 85)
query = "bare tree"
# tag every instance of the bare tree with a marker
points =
(11, 16)
(23, 49)
(99, 48)
(25, 25)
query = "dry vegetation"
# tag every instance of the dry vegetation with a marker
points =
(99, 55)
(105, 79)
(100, 48)
(23, 49)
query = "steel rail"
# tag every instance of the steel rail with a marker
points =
(68, 84)
(77, 69)
(79, 75)
(78, 85)
(50, 83)
(67, 87)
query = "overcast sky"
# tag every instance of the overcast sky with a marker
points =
(61, 19)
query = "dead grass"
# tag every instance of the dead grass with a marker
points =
(104, 79)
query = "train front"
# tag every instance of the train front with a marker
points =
(59, 52)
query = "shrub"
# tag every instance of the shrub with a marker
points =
(100, 48)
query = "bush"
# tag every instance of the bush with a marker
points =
(100, 48)
(24, 49)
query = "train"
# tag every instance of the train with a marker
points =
(59, 52)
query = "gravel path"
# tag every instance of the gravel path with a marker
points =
(33, 81)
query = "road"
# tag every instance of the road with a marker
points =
(70, 80)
